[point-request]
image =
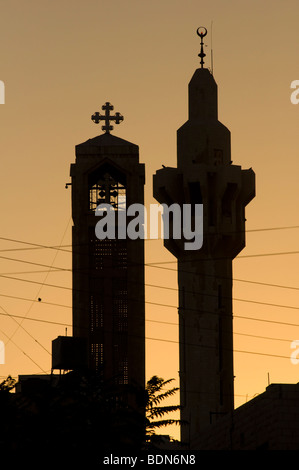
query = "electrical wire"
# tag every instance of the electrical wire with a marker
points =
(39, 290)
(270, 304)
(185, 343)
(234, 279)
(24, 329)
(27, 355)
(158, 264)
(154, 321)
(62, 247)
(155, 265)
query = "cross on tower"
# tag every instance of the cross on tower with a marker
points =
(97, 117)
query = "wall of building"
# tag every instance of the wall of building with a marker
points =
(268, 422)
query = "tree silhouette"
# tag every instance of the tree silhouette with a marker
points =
(155, 413)
(80, 413)
(84, 414)
(7, 384)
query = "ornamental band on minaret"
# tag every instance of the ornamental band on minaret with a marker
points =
(205, 175)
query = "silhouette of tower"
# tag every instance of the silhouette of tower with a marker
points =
(205, 175)
(108, 273)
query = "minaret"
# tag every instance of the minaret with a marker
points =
(205, 175)
(108, 273)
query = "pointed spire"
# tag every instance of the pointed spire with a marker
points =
(201, 32)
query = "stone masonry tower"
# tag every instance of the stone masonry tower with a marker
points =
(108, 273)
(205, 175)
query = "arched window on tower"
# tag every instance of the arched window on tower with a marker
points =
(107, 189)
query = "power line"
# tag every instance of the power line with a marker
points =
(30, 281)
(51, 322)
(163, 305)
(34, 263)
(34, 300)
(27, 355)
(41, 320)
(165, 340)
(270, 304)
(181, 309)
(150, 265)
(157, 339)
(234, 279)
(62, 247)
(27, 332)
(34, 245)
(157, 265)
(40, 288)
(36, 271)
(188, 344)
(256, 255)
(164, 262)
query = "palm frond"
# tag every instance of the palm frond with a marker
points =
(162, 410)
(155, 395)
(155, 384)
(155, 400)
(7, 384)
(163, 422)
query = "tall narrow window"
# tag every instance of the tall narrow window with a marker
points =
(219, 295)
(218, 157)
(227, 199)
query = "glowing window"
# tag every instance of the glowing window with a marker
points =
(107, 190)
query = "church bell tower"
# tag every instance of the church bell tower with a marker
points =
(205, 175)
(108, 273)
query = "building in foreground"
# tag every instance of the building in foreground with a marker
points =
(269, 421)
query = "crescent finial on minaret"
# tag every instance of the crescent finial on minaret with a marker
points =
(201, 32)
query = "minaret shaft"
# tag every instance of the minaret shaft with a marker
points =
(206, 342)
(205, 175)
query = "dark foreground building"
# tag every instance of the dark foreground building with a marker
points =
(269, 421)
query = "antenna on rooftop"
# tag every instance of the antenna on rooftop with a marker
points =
(212, 67)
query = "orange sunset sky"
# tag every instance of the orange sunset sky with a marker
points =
(60, 61)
